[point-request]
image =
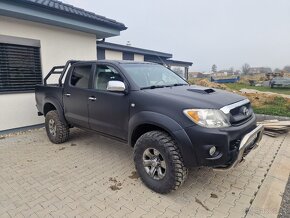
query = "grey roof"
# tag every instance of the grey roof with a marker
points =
(77, 13)
(178, 63)
(125, 48)
(171, 62)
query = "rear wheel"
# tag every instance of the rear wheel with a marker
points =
(159, 162)
(56, 130)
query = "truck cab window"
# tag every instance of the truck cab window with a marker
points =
(103, 75)
(81, 76)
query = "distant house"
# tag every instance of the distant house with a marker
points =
(229, 72)
(192, 75)
(112, 51)
(222, 73)
(258, 70)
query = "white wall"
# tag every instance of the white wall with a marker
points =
(57, 46)
(138, 57)
(113, 55)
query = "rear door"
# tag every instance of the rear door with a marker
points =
(76, 94)
(108, 111)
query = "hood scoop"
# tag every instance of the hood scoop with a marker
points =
(201, 91)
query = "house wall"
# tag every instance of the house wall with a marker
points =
(138, 57)
(119, 55)
(113, 55)
(57, 46)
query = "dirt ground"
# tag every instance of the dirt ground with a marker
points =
(257, 99)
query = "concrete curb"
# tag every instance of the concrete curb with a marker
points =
(268, 200)
(21, 129)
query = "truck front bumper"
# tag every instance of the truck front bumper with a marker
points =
(231, 143)
(249, 142)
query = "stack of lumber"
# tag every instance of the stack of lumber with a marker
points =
(274, 128)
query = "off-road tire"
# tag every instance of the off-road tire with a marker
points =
(62, 129)
(175, 173)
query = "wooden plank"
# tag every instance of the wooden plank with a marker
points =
(269, 121)
(277, 127)
(280, 123)
(271, 134)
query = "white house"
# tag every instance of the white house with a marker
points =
(106, 50)
(36, 35)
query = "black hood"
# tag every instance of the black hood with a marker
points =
(197, 96)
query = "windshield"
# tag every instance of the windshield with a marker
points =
(152, 75)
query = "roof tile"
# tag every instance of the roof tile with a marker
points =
(59, 6)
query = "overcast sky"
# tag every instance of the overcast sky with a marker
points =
(227, 33)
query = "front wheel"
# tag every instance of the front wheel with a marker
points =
(159, 162)
(56, 130)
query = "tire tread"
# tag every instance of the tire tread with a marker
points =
(171, 147)
(62, 128)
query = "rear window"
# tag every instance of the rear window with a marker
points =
(81, 76)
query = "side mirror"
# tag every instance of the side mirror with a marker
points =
(116, 86)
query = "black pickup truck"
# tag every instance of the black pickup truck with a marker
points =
(171, 125)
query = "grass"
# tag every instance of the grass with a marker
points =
(239, 86)
(278, 106)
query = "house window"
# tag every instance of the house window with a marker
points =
(20, 68)
(101, 54)
(128, 56)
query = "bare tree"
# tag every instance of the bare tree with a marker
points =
(246, 68)
(214, 68)
(287, 68)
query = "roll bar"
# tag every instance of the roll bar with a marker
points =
(59, 70)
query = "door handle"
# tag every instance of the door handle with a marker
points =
(92, 98)
(67, 94)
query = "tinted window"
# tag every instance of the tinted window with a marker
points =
(103, 75)
(81, 76)
(152, 74)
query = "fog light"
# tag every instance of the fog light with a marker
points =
(212, 150)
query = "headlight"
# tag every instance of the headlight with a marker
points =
(209, 118)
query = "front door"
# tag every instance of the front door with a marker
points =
(76, 94)
(108, 111)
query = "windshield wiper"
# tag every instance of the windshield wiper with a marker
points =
(162, 86)
(178, 84)
(153, 87)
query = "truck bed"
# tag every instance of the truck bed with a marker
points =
(45, 92)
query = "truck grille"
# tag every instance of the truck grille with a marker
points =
(241, 114)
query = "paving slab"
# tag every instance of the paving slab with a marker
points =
(268, 200)
(91, 175)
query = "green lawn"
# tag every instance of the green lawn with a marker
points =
(277, 107)
(238, 86)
